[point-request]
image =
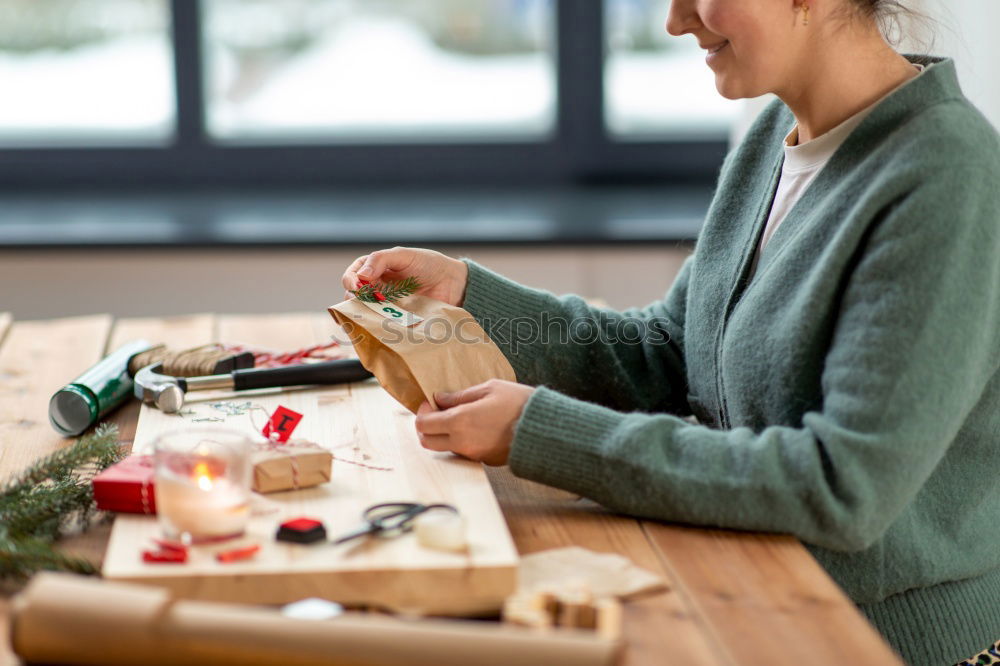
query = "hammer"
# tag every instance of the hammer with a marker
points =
(167, 392)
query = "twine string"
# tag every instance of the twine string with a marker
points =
(202, 360)
(265, 358)
(273, 442)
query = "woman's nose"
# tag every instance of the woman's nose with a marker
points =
(682, 17)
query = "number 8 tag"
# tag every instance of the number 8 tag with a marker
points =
(394, 312)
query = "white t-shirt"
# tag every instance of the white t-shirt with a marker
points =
(804, 162)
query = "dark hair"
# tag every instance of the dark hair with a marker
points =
(889, 15)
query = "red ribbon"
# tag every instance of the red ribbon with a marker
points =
(378, 294)
(267, 359)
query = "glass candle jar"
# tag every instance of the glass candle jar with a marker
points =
(202, 483)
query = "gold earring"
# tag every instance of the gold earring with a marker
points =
(805, 15)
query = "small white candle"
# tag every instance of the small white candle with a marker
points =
(201, 508)
(202, 483)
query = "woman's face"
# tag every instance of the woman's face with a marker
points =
(758, 39)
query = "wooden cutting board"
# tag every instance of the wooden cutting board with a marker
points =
(396, 572)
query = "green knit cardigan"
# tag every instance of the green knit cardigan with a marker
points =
(847, 394)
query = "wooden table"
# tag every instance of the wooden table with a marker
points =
(733, 597)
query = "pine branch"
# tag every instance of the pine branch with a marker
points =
(392, 291)
(37, 505)
(47, 508)
(99, 448)
(20, 558)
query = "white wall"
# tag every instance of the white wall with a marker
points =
(966, 30)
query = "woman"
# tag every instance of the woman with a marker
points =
(836, 333)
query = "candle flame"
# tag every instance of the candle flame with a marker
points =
(203, 476)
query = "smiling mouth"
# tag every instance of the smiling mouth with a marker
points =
(716, 49)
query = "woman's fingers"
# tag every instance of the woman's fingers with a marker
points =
(435, 442)
(433, 436)
(350, 278)
(477, 423)
(375, 266)
(435, 422)
(440, 276)
(396, 260)
(471, 394)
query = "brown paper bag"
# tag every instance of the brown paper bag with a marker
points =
(290, 467)
(419, 346)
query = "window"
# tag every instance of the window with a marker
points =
(341, 92)
(379, 70)
(85, 72)
(656, 84)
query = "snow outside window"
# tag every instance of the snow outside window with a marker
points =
(85, 72)
(383, 70)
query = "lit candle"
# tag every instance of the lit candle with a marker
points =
(202, 493)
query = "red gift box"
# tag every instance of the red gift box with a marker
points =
(126, 487)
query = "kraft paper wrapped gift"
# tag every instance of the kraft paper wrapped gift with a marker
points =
(290, 467)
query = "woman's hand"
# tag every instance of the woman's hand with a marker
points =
(440, 276)
(477, 423)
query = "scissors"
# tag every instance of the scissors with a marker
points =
(391, 519)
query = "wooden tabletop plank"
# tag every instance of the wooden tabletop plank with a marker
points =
(663, 628)
(6, 657)
(177, 333)
(768, 595)
(37, 359)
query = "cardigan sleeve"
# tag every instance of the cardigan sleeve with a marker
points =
(912, 353)
(596, 354)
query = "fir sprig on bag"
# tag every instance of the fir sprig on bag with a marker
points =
(49, 497)
(387, 291)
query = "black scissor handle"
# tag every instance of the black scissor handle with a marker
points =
(383, 518)
(398, 516)
(391, 518)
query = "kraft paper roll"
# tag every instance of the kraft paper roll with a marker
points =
(67, 619)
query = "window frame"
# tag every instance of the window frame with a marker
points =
(581, 151)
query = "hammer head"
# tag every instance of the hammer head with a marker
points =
(156, 388)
